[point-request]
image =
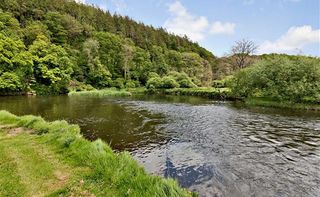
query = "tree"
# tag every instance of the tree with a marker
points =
(241, 52)
(52, 65)
(9, 26)
(97, 74)
(16, 65)
(32, 30)
(128, 51)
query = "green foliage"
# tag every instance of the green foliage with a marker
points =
(166, 82)
(291, 78)
(71, 41)
(10, 82)
(169, 82)
(153, 75)
(79, 86)
(97, 74)
(172, 80)
(34, 29)
(16, 65)
(9, 26)
(118, 83)
(132, 84)
(154, 83)
(101, 93)
(222, 83)
(52, 66)
(212, 93)
(183, 79)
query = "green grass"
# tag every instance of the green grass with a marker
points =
(267, 102)
(39, 158)
(101, 93)
(207, 92)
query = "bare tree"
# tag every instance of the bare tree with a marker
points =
(240, 53)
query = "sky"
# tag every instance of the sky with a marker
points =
(276, 26)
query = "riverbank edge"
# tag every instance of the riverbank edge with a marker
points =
(261, 102)
(115, 172)
(102, 93)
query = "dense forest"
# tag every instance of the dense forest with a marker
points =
(50, 45)
(54, 46)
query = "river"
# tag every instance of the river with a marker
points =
(213, 148)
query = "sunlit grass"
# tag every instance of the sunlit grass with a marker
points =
(101, 93)
(94, 168)
(268, 102)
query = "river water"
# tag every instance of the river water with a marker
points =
(213, 148)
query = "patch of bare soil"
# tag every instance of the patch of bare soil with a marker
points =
(16, 131)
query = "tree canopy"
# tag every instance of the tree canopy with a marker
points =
(47, 44)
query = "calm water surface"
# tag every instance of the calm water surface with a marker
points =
(214, 148)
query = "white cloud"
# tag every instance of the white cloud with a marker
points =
(195, 27)
(120, 5)
(294, 40)
(80, 1)
(184, 23)
(219, 27)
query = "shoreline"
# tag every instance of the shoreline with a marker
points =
(88, 167)
(219, 94)
(259, 102)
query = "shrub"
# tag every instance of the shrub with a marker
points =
(224, 83)
(294, 79)
(196, 81)
(153, 75)
(183, 80)
(10, 82)
(154, 83)
(118, 83)
(79, 86)
(132, 84)
(169, 82)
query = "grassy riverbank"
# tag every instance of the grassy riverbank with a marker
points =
(207, 92)
(101, 93)
(265, 102)
(39, 158)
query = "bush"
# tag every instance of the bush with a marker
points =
(183, 80)
(132, 84)
(10, 82)
(283, 78)
(153, 75)
(196, 81)
(79, 86)
(54, 89)
(169, 82)
(224, 83)
(154, 83)
(118, 83)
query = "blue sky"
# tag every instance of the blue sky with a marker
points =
(282, 26)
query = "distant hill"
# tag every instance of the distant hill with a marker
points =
(94, 46)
